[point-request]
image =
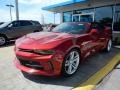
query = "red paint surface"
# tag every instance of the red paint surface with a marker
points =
(61, 44)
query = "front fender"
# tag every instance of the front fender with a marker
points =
(67, 46)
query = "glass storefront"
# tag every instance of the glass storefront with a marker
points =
(86, 18)
(99, 14)
(83, 11)
(117, 18)
(67, 16)
(104, 15)
(76, 18)
(85, 15)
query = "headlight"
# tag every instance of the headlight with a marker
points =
(44, 52)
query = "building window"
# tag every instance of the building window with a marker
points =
(67, 16)
(83, 11)
(117, 18)
(104, 15)
(86, 15)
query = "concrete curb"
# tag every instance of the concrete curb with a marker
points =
(97, 77)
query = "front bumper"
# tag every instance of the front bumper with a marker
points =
(32, 70)
(51, 64)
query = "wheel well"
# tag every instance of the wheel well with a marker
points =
(4, 36)
(36, 31)
(74, 48)
(78, 49)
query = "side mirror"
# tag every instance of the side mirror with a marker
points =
(9, 26)
(94, 31)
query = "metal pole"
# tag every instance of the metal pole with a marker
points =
(17, 10)
(10, 14)
(54, 17)
(10, 6)
(94, 13)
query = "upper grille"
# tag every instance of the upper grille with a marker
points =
(26, 50)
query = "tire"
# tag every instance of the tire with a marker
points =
(108, 46)
(71, 63)
(3, 40)
(36, 31)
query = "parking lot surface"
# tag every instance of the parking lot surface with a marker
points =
(12, 79)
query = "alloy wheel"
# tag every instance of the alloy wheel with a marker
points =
(2, 40)
(72, 62)
(109, 45)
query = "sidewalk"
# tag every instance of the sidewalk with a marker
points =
(111, 81)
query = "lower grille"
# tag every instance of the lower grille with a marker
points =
(31, 64)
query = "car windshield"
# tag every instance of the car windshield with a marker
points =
(74, 28)
(4, 24)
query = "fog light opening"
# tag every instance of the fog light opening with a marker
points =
(50, 65)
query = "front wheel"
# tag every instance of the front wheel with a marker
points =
(2, 40)
(71, 63)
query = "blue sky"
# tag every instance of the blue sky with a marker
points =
(30, 10)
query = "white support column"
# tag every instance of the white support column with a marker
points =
(17, 10)
(61, 17)
(94, 13)
(113, 17)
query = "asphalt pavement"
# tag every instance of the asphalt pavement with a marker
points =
(12, 79)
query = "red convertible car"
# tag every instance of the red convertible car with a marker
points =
(61, 51)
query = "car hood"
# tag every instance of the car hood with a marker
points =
(42, 40)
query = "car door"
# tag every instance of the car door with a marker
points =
(36, 27)
(13, 29)
(86, 42)
(97, 35)
(27, 27)
(100, 36)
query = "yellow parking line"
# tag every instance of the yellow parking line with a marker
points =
(97, 77)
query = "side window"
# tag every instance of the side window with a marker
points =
(97, 26)
(10, 25)
(35, 22)
(79, 28)
(14, 24)
(25, 23)
(101, 27)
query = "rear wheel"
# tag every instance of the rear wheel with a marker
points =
(2, 40)
(109, 46)
(71, 63)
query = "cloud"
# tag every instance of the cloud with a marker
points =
(28, 15)
(30, 1)
(45, 2)
(31, 10)
(34, 15)
(35, 12)
(5, 15)
(39, 16)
